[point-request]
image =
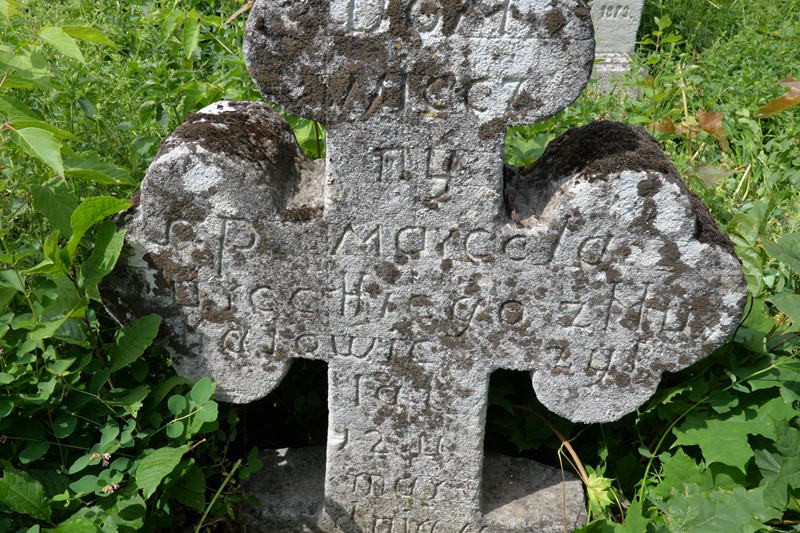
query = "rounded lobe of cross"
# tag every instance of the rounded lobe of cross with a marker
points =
(501, 61)
(599, 289)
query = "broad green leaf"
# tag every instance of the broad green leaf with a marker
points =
(126, 511)
(107, 247)
(789, 305)
(190, 489)
(781, 470)
(79, 464)
(787, 249)
(162, 389)
(175, 429)
(15, 109)
(45, 330)
(93, 168)
(156, 466)
(42, 145)
(91, 211)
(743, 230)
(696, 510)
(191, 36)
(35, 123)
(58, 39)
(680, 470)
(12, 279)
(202, 390)
(130, 399)
(131, 341)
(5, 378)
(74, 525)
(21, 493)
(724, 440)
(85, 485)
(33, 451)
(176, 404)
(88, 33)
(56, 202)
(6, 406)
(64, 425)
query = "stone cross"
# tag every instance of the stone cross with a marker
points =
(409, 263)
(615, 25)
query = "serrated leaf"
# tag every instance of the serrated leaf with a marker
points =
(787, 249)
(131, 400)
(74, 525)
(156, 466)
(35, 123)
(597, 490)
(781, 470)
(94, 169)
(15, 109)
(131, 341)
(190, 489)
(89, 34)
(42, 145)
(725, 440)
(680, 470)
(63, 43)
(107, 247)
(126, 510)
(56, 202)
(91, 211)
(191, 36)
(701, 511)
(21, 493)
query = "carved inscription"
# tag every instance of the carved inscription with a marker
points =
(614, 11)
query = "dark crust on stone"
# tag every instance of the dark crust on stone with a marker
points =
(246, 131)
(603, 149)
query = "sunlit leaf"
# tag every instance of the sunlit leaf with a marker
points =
(42, 145)
(88, 33)
(58, 39)
(787, 249)
(191, 36)
(131, 341)
(156, 466)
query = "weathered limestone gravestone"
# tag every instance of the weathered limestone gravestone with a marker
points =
(615, 25)
(412, 265)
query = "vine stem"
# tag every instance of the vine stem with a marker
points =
(216, 495)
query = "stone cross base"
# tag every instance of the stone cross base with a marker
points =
(518, 495)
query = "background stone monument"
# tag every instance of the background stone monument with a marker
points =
(413, 266)
(615, 25)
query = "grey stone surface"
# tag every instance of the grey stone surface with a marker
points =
(615, 25)
(518, 495)
(410, 262)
